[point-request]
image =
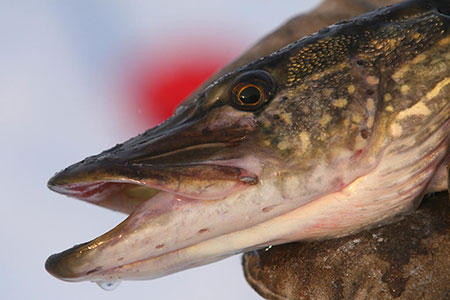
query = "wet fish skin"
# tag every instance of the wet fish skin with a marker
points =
(350, 137)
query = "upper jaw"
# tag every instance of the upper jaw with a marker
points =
(181, 156)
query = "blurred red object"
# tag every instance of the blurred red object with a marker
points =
(168, 78)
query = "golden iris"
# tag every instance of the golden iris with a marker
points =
(251, 90)
(250, 94)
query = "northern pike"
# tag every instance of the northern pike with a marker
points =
(339, 131)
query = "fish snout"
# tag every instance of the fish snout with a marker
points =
(65, 265)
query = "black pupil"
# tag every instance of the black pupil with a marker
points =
(250, 95)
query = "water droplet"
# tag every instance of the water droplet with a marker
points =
(108, 285)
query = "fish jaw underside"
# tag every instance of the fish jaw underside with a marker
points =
(211, 182)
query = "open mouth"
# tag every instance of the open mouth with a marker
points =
(120, 196)
(174, 181)
(123, 189)
(159, 201)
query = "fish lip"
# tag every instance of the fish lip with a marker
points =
(59, 265)
(59, 270)
(63, 265)
(84, 186)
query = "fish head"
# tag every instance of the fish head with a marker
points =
(283, 133)
(196, 177)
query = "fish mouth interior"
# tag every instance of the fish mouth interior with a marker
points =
(115, 195)
(125, 194)
(120, 196)
(123, 186)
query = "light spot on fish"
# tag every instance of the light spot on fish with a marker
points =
(370, 121)
(370, 105)
(341, 102)
(304, 138)
(323, 136)
(404, 89)
(399, 74)
(302, 87)
(419, 58)
(357, 118)
(435, 91)
(445, 41)
(389, 108)
(324, 120)
(419, 109)
(283, 145)
(286, 117)
(351, 89)
(396, 130)
(387, 97)
(345, 123)
(372, 80)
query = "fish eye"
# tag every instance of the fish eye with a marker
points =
(250, 94)
(251, 90)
